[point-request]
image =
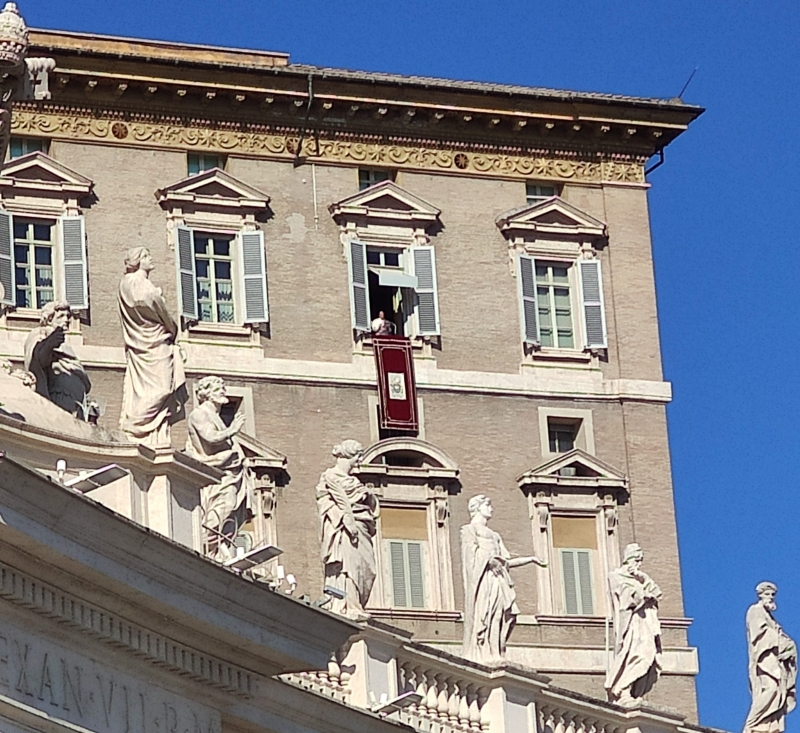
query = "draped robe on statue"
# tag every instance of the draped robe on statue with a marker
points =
(773, 672)
(490, 607)
(637, 634)
(154, 392)
(349, 566)
(221, 502)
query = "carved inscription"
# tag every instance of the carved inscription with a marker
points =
(77, 689)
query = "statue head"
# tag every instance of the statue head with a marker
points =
(633, 556)
(56, 313)
(349, 451)
(211, 389)
(138, 258)
(480, 505)
(766, 594)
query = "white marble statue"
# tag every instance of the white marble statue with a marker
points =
(215, 444)
(490, 605)
(773, 666)
(637, 630)
(154, 391)
(347, 511)
(59, 375)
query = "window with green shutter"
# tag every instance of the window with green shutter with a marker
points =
(576, 581)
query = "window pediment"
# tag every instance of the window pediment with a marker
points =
(552, 217)
(213, 189)
(575, 468)
(409, 457)
(385, 201)
(37, 174)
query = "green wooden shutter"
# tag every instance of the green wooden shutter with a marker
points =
(528, 307)
(586, 595)
(424, 259)
(254, 275)
(7, 274)
(416, 576)
(187, 280)
(359, 287)
(76, 278)
(397, 560)
(570, 582)
(594, 318)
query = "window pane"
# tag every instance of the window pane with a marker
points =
(373, 257)
(20, 230)
(16, 149)
(222, 270)
(541, 273)
(222, 247)
(44, 255)
(42, 232)
(201, 268)
(560, 275)
(200, 245)
(193, 163)
(20, 253)
(391, 259)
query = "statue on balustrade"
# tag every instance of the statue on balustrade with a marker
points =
(348, 512)
(214, 443)
(490, 602)
(59, 375)
(154, 390)
(773, 666)
(637, 630)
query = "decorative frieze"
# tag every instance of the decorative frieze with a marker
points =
(121, 634)
(281, 145)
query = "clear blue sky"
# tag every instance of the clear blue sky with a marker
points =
(726, 259)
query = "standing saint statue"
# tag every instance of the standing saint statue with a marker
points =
(214, 443)
(637, 630)
(490, 602)
(773, 666)
(59, 374)
(154, 390)
(348, 511)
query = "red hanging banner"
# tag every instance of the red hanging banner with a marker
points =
(394, 361)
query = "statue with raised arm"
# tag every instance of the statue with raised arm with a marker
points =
(490, 602)
(59, 374)
(773, 666)
(348, 511)
(214, 443)
(637, 630)
(154, 390)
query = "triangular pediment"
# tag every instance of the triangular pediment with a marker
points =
(39, 170)
(576, 467)
(260, 454)
(211, 186)
(386, 200)
(552, 215)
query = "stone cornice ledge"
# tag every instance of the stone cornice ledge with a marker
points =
(124, 571)
(564, 382)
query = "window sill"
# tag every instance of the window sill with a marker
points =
(227, 329)
(367, 343)
(230, 334)
(414, 613)
(26, 319)
(549, 354)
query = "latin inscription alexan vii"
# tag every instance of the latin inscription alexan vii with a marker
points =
(66, 685)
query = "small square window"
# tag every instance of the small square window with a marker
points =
(370, 176)
(197, 163)
(562, 435)
(535, 192)
(19, 146)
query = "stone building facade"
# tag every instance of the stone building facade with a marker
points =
(504, 231)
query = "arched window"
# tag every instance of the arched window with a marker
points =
(413, 480)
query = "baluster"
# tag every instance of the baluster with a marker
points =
(474, 709)
(454, 689)
(483, 696)
(463, 707)
(432, 701)
(442, 702)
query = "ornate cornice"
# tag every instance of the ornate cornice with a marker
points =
(23, 590)
(282, 144)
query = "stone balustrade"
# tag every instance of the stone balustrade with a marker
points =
(333, 682)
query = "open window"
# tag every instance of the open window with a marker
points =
(221, 267)
(413, 480)
(555, 255)
(574, 500)
(391, 263)
(43, 254)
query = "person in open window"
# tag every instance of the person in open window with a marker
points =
(381, 326)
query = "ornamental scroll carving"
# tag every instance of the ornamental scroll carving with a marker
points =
(268, 144)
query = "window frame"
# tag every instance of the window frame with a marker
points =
(391, 175)
(536, 198)
(233, 258)
(583, 418)
(201, 157)
(55, 245)
(42, 142)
